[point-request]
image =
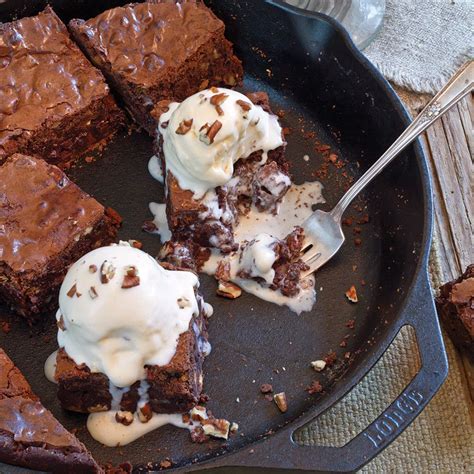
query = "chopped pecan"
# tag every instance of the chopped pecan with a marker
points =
(61, 324)
(72, 291)
(145, 414)
(93, 292)
(318, 365)
(228, 289)
(124, 417)
(209, 132)
(218, 428)
(184, 127)
(198, 413)
(281, 401)
(107, 272)
(130, 278)
(217, 100)
(351, 294)
(92, 268)
(165, 464)
(245, 106)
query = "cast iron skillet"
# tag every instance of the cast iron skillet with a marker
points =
(312, 71)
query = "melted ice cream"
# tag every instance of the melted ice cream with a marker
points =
(104, 428)
(295, 208)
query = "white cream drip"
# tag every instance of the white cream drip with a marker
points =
(50, 367)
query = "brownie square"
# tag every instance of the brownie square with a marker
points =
(158, 50)
(53, 102)
(46, 223)
(30, 436)
(190, 219)
(173, 388)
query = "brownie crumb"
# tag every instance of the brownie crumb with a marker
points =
(166, 464)
(204, 398)
(6, 327)
(330, 358)
(350, 324)
(315, 387)
(149, 226)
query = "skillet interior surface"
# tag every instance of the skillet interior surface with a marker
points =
(311, 75)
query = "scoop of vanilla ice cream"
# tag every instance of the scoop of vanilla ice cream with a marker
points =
(119, 310)
(207, 133)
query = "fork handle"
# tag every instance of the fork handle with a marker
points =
(459, 85)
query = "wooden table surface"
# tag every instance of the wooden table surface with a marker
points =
(449, 147)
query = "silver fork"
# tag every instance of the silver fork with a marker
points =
(323, 232)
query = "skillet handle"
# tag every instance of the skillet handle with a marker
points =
(420, 313)
(280, 452)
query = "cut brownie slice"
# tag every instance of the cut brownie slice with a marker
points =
(210, 221)
(30, 436)
(158, 50)
(456, 309)
(285, 274)
(172, 388)
(53, 102)
(47, 222)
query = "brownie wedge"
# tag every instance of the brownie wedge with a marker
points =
(158, 50)
(46, 223)
(173, 388)
(211, 222)
(30, 436)
(455, 305)
(53, 102)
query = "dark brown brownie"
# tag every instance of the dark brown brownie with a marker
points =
(47, 223)
(53, 102)
(158, 50)
(30, 436)
(188, 218)
(173, 388)
(456, 309)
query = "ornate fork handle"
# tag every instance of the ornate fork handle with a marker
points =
(460, 85)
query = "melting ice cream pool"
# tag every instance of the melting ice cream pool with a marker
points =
(295, 208)
(104, 428)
